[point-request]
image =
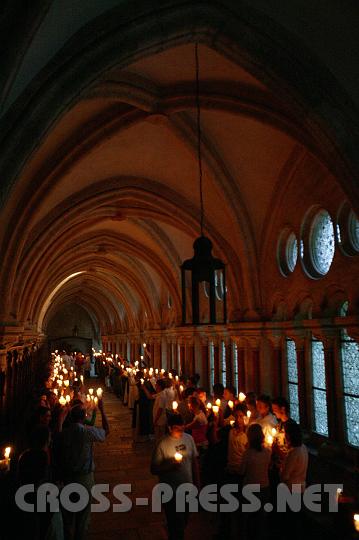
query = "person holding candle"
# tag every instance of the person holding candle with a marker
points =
(198, 426)
(74, 448)
(267, 419)
(280, 448)
(251, 403)
(174, 470)
(254, 469)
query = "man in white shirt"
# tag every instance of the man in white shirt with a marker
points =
(175, 472)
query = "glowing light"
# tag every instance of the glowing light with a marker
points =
(178, 457)
(174, 405)
(241, 397)
(7, 452)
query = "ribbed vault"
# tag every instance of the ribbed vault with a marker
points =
(105, 206)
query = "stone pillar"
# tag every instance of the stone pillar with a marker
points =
(300, 339)
(229, 363)
(335, 406)
(277, 361)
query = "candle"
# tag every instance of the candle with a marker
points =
(274, 432)
(62, 401)
(72, 368)
(218, 402)
(170, 376)
(92, 398)
(339, 493)
(56, 391)
(156, 371)
(215, 409)
(241, 397)
(142, 381)
(178, 457)
(162, 371)
(269, 440)
(66, 383)
(249, 414)
(232, 422)
(68, 399)
(82, 378)
(144, 345)
(230, 404)
(7, 452)
(176, 377)
(356, 522)
(99, 392)
(141, 356)
(246, 418)
(174, 405)
(88, 397)
(209, 406)
(59, 382)
(136, 363)
(95, 400)
(90, 391)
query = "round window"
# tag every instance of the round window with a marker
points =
(354, 230)
(292, 251)
(322, 242)
(287, 251)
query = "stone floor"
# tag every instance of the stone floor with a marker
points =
(119, 460)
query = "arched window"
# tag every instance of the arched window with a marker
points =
(292, 379)
(292, 251)
(235, 366)
(350, 375)
(320, 411)
(211, 364)
(223, 364)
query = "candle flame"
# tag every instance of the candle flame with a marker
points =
(241, 396)
(178, 456)
(7, 452)
(174, 405)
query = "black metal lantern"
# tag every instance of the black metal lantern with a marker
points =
(203, 276)
(203, 286)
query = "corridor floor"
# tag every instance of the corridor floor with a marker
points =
(119, 460)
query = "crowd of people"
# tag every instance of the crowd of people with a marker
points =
(198, 438)
(222, 438)
(57, 438)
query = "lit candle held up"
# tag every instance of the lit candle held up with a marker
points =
(99, 392)
(269, 440)
(95, 400)
(209, 406)
(232, 422)
(215, 409)
(82, 379)
(174, 405)
(90, 391)
(178, 457)
(7, 452)
(67, 383)
(68, 399)
(356, 522)
(230, 404)
(241, 397)
(62, 401)
(274, 432)
(181, 388)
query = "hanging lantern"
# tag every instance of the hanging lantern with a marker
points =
(203, 286)
(203, 276)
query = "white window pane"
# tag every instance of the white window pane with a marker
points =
(352, 416)
(350, 366)
(318, 365)
(292, 361)
(320, 411)
(294, 401)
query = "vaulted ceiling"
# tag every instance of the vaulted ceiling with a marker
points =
(106, 205)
